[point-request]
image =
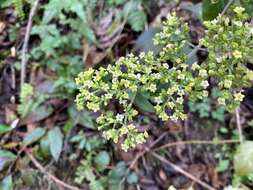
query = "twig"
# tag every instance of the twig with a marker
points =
(226, 7)
(180, 170)
(172, 144)
(26, 41)
(50, 176)
(139, 155)
(238, 124)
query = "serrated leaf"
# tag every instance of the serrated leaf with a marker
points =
(211, 9)
(55, 142)
(7, 183)
(137, 19)
(143, 103)
(102, 159)
(34, 136)
(243, 159)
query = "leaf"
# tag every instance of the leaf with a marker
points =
(118, 172)
(137, 19)
(210, 9)
(96, 185)
(243, 159)
(223, 165)
(55, 142)
(83, 118)
(6, 183)
(132, 178)
(248, 5)
(4, 129)
(52, 10)
(39, 113)
(102, 159)
(143, 103)
(6, 158)
(34, 136)
(45, 146)
(145, 42)
(192, 54)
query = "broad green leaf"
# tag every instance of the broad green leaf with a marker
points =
(56, 141)
(34, 136)
(83, 118)
(5, 153)
(211, 8)
(45, 146)
(102, 159)
(145, 42)
(243, 159)
(143, 103)
(118, 172)
(132, 178)
(191, 54)
(6, 158)
(137, 20)
(4, 129)
(6, 183)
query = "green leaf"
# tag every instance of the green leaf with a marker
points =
(143, 103)
(96, 185)
(34, 136)
(137, 19)
(118, 172)
(83, 118)
(210, 9)
(243, 159)
(45, 146)
(132, 178)
(6, 158)
(56, 141)
(102, 159)
(6, 183)
(52, 10)
(223, 165)
(4, 129)
(248, 5)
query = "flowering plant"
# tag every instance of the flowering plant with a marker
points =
(167, 79)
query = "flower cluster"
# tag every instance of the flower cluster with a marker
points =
(166, 78)
(229, 43)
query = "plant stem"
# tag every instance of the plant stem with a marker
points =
(26, 41)
(238, 124)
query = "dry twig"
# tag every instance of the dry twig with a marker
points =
(180, 170)
(26, 41)
(173, 144)
(238, 124)
(50, 176)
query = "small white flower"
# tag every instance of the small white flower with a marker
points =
(204, 84)
(202, 73)
(119, 117)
